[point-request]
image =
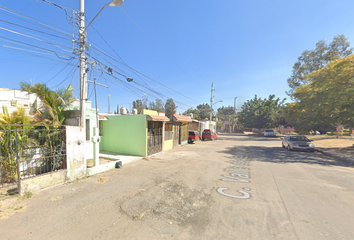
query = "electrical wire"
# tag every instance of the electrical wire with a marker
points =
(6, 9)
(36, 47)
(143, 74)
(24, 35)
(116, 53)
(170, 58)
(32, 29)
(59, 72)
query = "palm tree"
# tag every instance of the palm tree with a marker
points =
(12, 140)
(54, 101)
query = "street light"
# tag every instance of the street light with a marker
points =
(114, 3)
(83, 76)
(216, 118)
(82, 36)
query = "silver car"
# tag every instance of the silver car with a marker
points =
(298, 142)
(269, 133)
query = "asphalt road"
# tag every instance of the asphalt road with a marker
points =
(237, 187)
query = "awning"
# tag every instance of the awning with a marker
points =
(157, 118)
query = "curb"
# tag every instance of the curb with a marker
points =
(343, 158)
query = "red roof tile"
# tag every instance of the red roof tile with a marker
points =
(158, 118)
(181, 118)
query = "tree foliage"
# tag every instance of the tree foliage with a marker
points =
(194, 112)
(225, 113)
(158, 105)
(8, 150)
(313, 60)
(54, 101)
(327, 99)
(261, 113)
(138, 105)
(170, 107)
(204, 110)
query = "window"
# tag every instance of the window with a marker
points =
(100, 125)
(87, 129)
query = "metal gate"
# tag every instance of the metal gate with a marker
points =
(28, 151)
(176, 135)
(154, 141)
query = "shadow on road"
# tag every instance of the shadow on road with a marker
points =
(230, 137)
(281, 156)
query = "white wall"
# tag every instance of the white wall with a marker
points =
(75, 152)
(20, 98)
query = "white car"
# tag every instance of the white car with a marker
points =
(269, 133)
(298, 142)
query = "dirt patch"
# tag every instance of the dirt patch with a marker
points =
(90, 164)
(58, 198)
(101, 179)
(332, 142)
(169, 207)
(10, 206)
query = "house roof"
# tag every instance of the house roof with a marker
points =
(102, 117)
(157, 118)
(180, 118)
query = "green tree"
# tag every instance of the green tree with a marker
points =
(313, 60)
(137, 104)
(327, 98)
(260, 113)
(225, 112)
(158, 105)
(54, 101)
(194, 112)
(204, 110)
(145, 101)
(8, 149)
(170, 107)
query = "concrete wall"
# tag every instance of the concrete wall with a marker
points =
(194, 126)
(76, 166)
(12, 97)
(168, 144)
(125, 134)
(207, 125)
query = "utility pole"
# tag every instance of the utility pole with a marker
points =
(109, 105)
(211, 103)
(83, 94)
(233, 130)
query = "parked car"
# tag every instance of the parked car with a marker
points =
(298, 142)
(193, 136)
(209, 134)
(269, 133)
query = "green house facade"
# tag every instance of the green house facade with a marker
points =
(137, 135)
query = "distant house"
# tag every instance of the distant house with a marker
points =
(11, 98)
(72, 118)
(226, 126)
(137, 135)
(180, 129)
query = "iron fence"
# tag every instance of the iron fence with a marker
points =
(30, 150)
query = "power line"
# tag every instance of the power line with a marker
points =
(145, 75)
(155, 43)
(32, 20)
(32, 29)
(58, 72)
(36, 47)
(72, 72)
(24, 35)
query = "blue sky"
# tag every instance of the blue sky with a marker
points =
(245, 48)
